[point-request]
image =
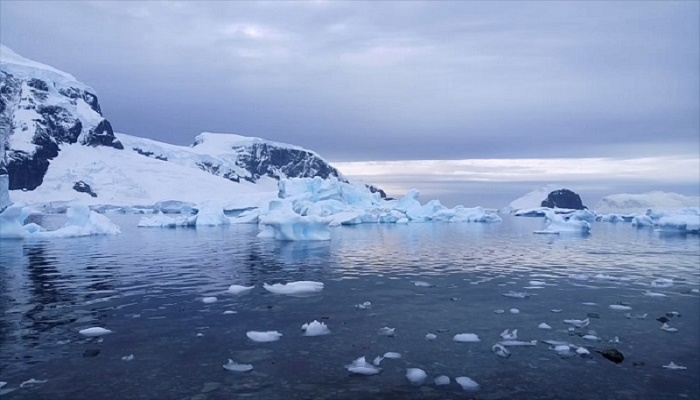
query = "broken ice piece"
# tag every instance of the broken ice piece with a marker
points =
(442, 380)
(94, 332)
(385, 331)
(544, 326)
(467, 383)
(416, 376)
(673, 365)
(236, 367)
(33, 382)
(430, 336)
(130, 357)
(360, 366)
(666, 327)
(209, 300)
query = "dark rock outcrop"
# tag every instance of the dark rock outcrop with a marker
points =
(563, 198)
(263, 159)
(83, 187)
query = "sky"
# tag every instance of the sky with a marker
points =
(468, 101)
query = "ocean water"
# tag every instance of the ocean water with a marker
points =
(147, 286)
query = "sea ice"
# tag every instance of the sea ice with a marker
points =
(430, 336)
(422, 284)
(209, 300)
(466, 337)
(582, 351)
(298, 287)
(81, 222)
(315, 328)
(267, 336)
(361, 367)
(544, 326)
(236, 367)
(591, 337)
(467, 383)
(94, 332)
(416, 376)
(673, 365)
(442, 380)
(558, 224)
(507, 335)
(238, 289)
(283, 223)
(385, 331)
(227, 312)
(499, 311)
(619, 307)
(510, 343)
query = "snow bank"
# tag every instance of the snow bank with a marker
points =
(81, 222)
(557, 223)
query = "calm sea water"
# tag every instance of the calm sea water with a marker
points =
(147, 286)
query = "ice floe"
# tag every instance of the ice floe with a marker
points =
(363, 306)
(416, 376)
(360, 366)
(209, 300)
(466, 337)
(654, 294)
(228, 312)
(81, 222)
(619, 307)
(266, 336)
(544, 325)
(662, 283)
(238, 289)
(315, 328)
(422, 284)
(467, 383)
(94, 332)
(291, 288)
(673, 365)
(557, 224)
(517, 295)
(283, 223)
(442, 380)
(236, 367)
(386, 331)
(514, 311)
(430, 336)
(516, 343)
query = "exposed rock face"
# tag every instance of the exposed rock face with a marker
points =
(563, 198)
(263, 159)
(42, 109)
(83, 187)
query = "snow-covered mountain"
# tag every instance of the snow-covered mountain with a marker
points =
(57, 147)
(626, 203)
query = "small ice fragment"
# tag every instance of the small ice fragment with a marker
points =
(315, 328)
(230, 312)
(236, 367)
(209, 300)
(377, 360)
(467, 383)
(696, 291)
(507, 335)
(636, 316)
(673, 365)
(298, 287)
(619, 307)
(662, 282)
(33, 382)
(416, 376)
(579, 323)
(362, 367)
(537, 283)
(514, 311)
(130, 357)
(94, 332)
(261, 337)
(590, 337)
(442, 380)
(466, 338)
(517, 295)
(392, 355)
(556, 310)
(62, 342)
(500, 350)
(666, 327)
(614, 340)
(200, 334)
(672, 314)
(430, 336)
(588, 303)
(238, 289)
(385, 331)
(544, 326)
(508, 343)
(363, 306)
(2, 384)
(422, 284)
(499, 311)
(582, 351)
(653, 294)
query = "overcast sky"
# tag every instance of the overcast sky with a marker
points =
(387, 81)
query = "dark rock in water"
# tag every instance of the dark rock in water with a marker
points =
(89, 353)
(563, 198)
(612, 355)
(83, 187)
(663, 319)
(593, 315)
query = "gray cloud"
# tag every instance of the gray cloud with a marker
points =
(386, 80)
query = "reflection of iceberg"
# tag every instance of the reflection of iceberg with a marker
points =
(81, 222)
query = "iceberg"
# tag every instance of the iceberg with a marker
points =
(680, 223)
(81, 222)
(557, 224)
(206, 215)
(282, 223)
(625, 203)
(292, 288)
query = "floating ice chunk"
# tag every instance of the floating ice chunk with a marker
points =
(362, 367)
(588, 303)
(211, 215)
(430, 336)
(619, 307)
(2, 384)
(363, 306)
(298, 287)
(668, 328)
(537, 283)
(517, 295)
(385, 331)
(673, 314)
(544, 326)
(209, 300)
(662, 282)
(591, 337)
(416, 376)
(227, 312)
(238, 289)
(466, 338)
(636, 316)
(696, 291)
(267, 336)
(315, 328)
(507, 335)
(614, 340)
(653, 294)
(557, 224)
(673, 365)
(283, 223)
(582, 351)
(510, 343)
(442, 380)
(377, 360)
(236, 367)
(514, 311)
(200, 334)
(563, 350)
(681, 223)
(33, 382)
(556, 310)
(499, 311)
(579, 323)
(94, 332)
(392, 355)
(422, 284)
(130, 357)
(467, 383)
(500, 350)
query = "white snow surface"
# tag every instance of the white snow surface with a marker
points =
(626, 203)
(530, 200)
(21, 67)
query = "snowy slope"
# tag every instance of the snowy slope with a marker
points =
(530, 200)
(625, 203)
